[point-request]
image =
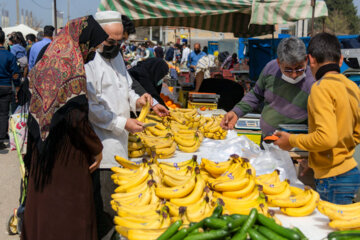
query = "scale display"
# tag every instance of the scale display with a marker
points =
(296, 128)
(248, 123)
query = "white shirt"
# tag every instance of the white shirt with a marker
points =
(185, 55)
(110, 101)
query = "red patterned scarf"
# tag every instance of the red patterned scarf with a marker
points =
(60, 75)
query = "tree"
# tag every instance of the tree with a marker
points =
(347, 9)
(337, 24)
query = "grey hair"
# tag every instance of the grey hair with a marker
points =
(291, 50)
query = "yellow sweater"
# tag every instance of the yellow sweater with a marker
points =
(334, 126)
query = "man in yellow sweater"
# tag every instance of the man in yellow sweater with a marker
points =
(334, 124)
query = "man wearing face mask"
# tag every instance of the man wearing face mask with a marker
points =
(111, 99)
(193, 59)
(283, 86)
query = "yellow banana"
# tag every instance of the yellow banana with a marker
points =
(196, 211)
(154, 117)
(172, 182)
(142, 177)
(166, 151)
(185, 142)
(121, 221)
(134, 138)
(158, 132)
(215, 168)
(125, 171)
(243, 192)
(135, 146)
(273, 188)
(144, 112)
(194, 195)
(128, 194)
(347, 224)
(293, 202)
(176, 192)
(269, 178)
(186, 163)
(304, 210)
(231, 185)
(136, 210)
(149, 234)
(126, 163)
(136, 153)
(190, 149)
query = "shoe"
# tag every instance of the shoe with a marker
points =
(2, 146)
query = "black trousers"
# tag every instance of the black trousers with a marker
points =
(5, 99)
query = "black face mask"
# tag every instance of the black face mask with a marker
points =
(110, 52)
(197, 51)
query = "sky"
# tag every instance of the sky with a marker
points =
(42, 8)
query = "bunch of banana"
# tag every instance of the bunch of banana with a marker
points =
(135, 147)
(272, 185)
(211, 128)
(188, 142)
(306, 209)
(129, 164)
(343, 217)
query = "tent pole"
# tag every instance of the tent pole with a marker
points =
(313, 4)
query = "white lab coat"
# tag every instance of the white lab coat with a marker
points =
(110, 101)
(185, 55)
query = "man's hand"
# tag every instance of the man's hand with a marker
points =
(133, 125)
(229, 121)
(160, 110)
(143, 100)
(96, 163)
(304, 166)
(283, 141)
(193, 67)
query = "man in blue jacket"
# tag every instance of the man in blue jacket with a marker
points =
(9, 73)
(193, 59)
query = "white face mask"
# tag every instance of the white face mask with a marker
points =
(291, 80)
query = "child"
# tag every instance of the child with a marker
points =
(334, 124)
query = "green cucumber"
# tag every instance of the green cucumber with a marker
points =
(226, 218)
(237, 216)
(170, 231)
(345, 237)
(255, 235)
(196, 225)
(217, 211)
(215, 223)
(236, 223)
(241, 234)
(271, 224)
(181, 234)
(269, 233)
(210, 235)
(302, 235)
(345, 232)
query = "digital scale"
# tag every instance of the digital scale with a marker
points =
(294, 128)
(248, 124)
(198, 97)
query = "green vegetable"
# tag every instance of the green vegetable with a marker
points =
(171, 230)
(345, 237)
(212, 234)
(241, 234)
(215, 223)
(337, 233)
(269, 233)
(236, 223)
(302, 235)
(271, 224)
(237, 216)
(181, 234)
(196, 225)
(195, 231)
(255, 235)
(217, 211)
(226, 218)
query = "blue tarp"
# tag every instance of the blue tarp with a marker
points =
(262, 51)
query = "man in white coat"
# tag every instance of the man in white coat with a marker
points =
(111, 99)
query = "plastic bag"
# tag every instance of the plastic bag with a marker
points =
(20, 117)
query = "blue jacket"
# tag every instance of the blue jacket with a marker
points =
(194, 58)
(8, 67)
(34, 51)
(18, 51)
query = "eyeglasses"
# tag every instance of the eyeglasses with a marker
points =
(295, 70)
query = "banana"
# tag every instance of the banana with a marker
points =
(125, 171)
(183, 171)
(185, 142)
(126, 163)
(339, 207)
(144, 112)
(172, 182)
(176, 192)
(141, 178)
(135, 146)
(190, 149)
(194, 195)
(293, 202)
(215, 168)
(158, 132)
(243, 192)
(134, 138)
(137, 210)
(269, 178)
(304, 210)
(166, 221)
(124, 222)
(128, 194)
(186, 163)
(174, 210)
(154, 117)
(166, 151)
(273, 188)
(232, 185)
(149, 234)
(196, 211)
(347, 224)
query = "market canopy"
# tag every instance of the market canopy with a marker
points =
(244, 18)
(24, 29)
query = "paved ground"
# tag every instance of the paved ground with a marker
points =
(9, 189)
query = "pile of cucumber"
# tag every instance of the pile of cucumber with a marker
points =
(236, 227)
(344, 235)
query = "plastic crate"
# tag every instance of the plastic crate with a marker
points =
(202, 106)
(255, 137)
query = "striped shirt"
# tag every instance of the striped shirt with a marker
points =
(284, 103)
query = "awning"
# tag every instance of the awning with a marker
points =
(244, 18)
